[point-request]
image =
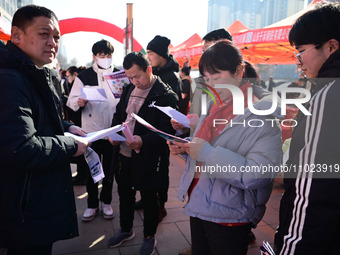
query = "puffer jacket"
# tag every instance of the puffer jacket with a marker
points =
(36, 191)
(169, 75)
(150, 167)
(239, 194)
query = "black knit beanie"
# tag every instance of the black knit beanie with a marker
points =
(159, 45)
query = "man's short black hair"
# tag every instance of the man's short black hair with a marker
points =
(24, 16)
(136, 58)
(217, 34)
(72, 70)
(102, 46)
(317, 26)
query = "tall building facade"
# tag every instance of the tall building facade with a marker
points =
(252, 13)
(8, 7)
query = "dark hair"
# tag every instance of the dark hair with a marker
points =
(72, 70)
(186, 70)
(217, 34)
(136, 58)
(317, 26)
(223, 55)
(24, 16)
(102, 46)
(81, 68)
(250, 71)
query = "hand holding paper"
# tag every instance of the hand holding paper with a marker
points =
(94, 136)
(166, 136)
(136, 144)
(82, 102)
(174, 114)
(94, 94)
(129, 136)
(193, 148)
(175, 125)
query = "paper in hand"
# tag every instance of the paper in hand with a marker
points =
(93, 94)
(94, 136)
(116, 137)
(174, 114)
(166, 136)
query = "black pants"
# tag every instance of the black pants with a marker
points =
(37, 250)
(127, 197)
(163, 197)
(215, 239)
(106, 151)
(82, 167)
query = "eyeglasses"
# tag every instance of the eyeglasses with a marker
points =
(299, 55)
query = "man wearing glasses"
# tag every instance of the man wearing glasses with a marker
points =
(310, 207)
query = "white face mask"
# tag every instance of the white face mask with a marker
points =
(104, 62)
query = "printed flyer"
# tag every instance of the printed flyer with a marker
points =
(116, 82)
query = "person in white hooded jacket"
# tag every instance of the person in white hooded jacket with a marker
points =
(96, 115)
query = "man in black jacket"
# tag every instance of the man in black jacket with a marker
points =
(166, 67)
(145, 161)
(36, 192)
(163, 64)
(309, 220)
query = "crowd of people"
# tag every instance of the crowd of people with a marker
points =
(38, 105)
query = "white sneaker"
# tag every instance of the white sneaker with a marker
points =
(107, 211)
(89, 214)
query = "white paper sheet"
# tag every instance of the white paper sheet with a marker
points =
(93, 94)
(174, 114)
(94, 136)
(166, 136)
(116, 137)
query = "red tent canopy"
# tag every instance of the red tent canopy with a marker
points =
(191, 50)
(237, 27)
(95, 25)
(5, 29)
(188, 51)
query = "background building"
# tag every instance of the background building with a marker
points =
(8, 7)
(252, 13)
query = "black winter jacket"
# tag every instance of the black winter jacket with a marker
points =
(312, 183)
(169, 75)
(150, 167)
(36, 192)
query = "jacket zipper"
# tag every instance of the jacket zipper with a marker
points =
(23, 204)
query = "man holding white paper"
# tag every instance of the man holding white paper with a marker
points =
(148, 169)
(96, 114)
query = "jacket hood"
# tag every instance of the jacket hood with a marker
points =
(327, 73)
(171, 65)
(331, 67)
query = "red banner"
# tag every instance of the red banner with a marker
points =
(188, 52)
(264, 35)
